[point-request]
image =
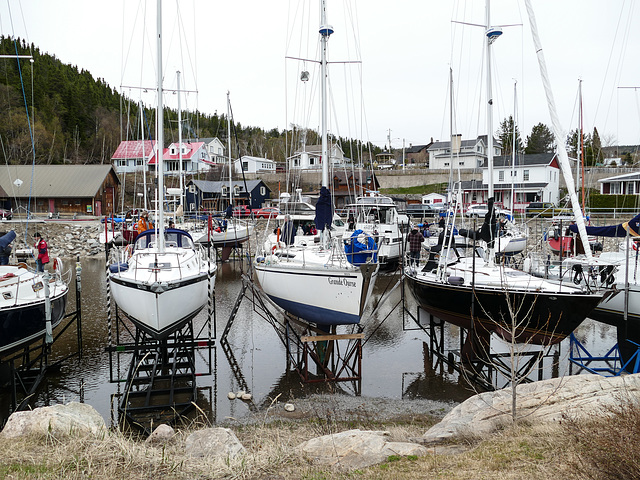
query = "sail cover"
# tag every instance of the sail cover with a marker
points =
(620, 230)
(7, 239)
(324, 210)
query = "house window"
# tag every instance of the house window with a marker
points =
(225, 190)
(630, 188)
(122, 163)
(139, 162)
(525, 175)
(263, 191)
(461, 164)
(446, 164)
(245, 166)
(501, 176)
(192, 188)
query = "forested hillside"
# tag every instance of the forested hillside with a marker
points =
(76, 118)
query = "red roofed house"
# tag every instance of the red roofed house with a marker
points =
(194, 158)
(131, 155)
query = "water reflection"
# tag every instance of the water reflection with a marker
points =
(396, 362)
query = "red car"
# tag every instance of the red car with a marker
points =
(267, 212)
(241, 211)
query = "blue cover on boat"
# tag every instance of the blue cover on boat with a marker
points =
(118, 267)
(359, 252)
(7, 239)
(620, 230)
(324, 210)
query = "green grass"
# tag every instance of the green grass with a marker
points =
(416, 190)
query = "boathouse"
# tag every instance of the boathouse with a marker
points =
(203, 195)
(61, 189)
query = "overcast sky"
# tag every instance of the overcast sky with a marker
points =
(406, 48)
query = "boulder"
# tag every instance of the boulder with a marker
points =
(58, 420)
(578, 396)
(355, 449)
(214, 442)
(162, 435)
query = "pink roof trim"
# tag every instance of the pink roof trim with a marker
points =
(192, 149)
(134, 149)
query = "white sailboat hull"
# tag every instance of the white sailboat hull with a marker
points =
(160, 292)
(317, 293)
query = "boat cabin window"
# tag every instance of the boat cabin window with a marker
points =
(172, 238)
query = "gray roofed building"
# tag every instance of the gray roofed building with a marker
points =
(214, 195)
(66, 189)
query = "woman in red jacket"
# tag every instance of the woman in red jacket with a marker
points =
(43, 252)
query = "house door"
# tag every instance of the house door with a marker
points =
(109, 199)
(98, 208)
(52, 205)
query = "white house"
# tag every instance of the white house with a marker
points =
(131, 155)
(215, 149)
(473, 154)
(194, 158)
(310, 158)
(534, 178)
(627, 184)
(250, 164)
(434, 199)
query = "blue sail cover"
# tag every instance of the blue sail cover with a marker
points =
(360, 248)
(620, 230)
(7, 239)
(324, 210)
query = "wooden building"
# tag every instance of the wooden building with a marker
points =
(203, 195)
(349, 184)
(61, 189)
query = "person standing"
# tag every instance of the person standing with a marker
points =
(415, 245)
(144, 223)
(43, 252)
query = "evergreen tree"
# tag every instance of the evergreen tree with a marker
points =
(541, 140)
(505, 136)
(596, 145)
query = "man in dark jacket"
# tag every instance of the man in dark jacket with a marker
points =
(415, 245)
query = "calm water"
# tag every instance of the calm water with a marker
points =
(394, 363)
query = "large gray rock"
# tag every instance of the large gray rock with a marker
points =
(59, 420)
(578, 396)
(162, 435)
(214, 442)
(356, 449)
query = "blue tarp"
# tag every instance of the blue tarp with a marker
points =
(620, 230)
(7, 239)
(359, 252)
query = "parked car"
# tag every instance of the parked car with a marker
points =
(6, 214)
(545, 209)
(419, 209)
(241, 211)
(479, 210)
(267, 212)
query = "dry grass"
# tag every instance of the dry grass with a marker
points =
(600, 449)
(514, 453)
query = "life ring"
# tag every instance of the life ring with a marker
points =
(278, 246)
(58, 266)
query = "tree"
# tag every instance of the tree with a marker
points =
(505, 135)
(596, 145)
(541, 140)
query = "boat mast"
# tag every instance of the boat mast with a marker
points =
(557, 131)
(179, 140)
(144, 160)
(513, 149)
(489, 101)
(229, 146)
(325, 32)
(580, 161)
(160, 135)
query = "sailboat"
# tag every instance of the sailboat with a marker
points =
(230, 232)
(320, 283)
(472, 292)
(163, 282)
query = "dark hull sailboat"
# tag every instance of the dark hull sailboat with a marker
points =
(538, 317)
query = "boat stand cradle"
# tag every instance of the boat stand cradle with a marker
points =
(160, 384)
(25, 369)
(609, 365)
(491, 369)
(336, 357)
